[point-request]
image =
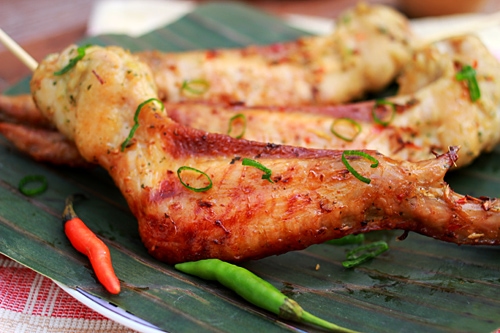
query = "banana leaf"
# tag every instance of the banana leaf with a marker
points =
(419, 285)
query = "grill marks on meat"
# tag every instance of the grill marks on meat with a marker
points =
(312, 197)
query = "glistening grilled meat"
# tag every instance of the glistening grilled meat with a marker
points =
(365, 53)
(310, 195)
(434, 110)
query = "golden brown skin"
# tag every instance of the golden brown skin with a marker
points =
(434, 111)
(43, 145)
(365, 53)
(450, 117)
(21, 109)
(311, 197)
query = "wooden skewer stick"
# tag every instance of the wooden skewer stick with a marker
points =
(474, 26)
(18, 51)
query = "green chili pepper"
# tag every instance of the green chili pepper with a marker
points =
(349, 239)
(369, 251)
(136, 121)
(72, 62)
(255, 290)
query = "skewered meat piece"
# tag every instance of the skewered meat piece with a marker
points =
(433, 111)
(365, 53)
(309, 197)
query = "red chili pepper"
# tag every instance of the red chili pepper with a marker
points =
(86, 242)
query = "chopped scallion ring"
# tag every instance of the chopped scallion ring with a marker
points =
(267, 172)
(233, 119)
(353, 123)
(370, 251)
(380, 102)
(349, 239)
(196, 87)
(23, 188)
(195, 189)
(352, 170)
(136, 121)
(72, 62)
(468, 73)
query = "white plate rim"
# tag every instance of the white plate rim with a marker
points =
(110, 310)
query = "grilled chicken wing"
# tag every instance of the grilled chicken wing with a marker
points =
(433, 111)
(305, 197)
(21, 109)
(365, 53)
(43, 145)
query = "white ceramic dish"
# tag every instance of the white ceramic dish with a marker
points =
(110, 310)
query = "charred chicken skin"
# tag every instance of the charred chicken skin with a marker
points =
(433, 111)
(309, 195)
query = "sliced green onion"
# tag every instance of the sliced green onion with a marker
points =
(23, 188)
(136, 121)
(195, 189)
(243, 118)
(352, 170)
(267, 172)
(349, 239)
(72, 62)
(469, 74)
(196, 87)
(380, 102)
(354, 123)
(370, 251)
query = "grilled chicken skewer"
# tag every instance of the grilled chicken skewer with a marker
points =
(309, 197)
(434, 111)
